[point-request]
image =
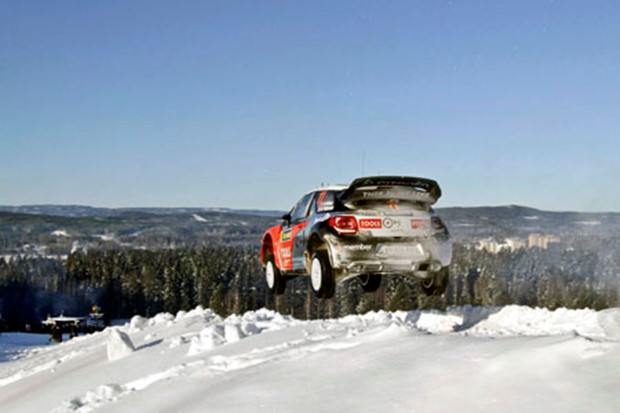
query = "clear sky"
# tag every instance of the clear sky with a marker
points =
(248, 104)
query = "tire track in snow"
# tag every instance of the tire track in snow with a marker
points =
(214, 364)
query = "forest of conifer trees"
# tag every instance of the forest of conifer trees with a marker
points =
(229, 280)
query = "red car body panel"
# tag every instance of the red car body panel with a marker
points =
(270, 238)
(281, 244)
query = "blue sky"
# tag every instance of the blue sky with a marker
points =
(248, 104)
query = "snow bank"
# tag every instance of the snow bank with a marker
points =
(525, 321)
(233, 329)
(162, 318)
(490, 359)
(503, 321)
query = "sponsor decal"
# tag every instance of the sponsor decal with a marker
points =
(411, 193)
(392, 203)
(285, 236)
(390, 223)
(390, 193)
(419, 223)
(410, 251)
(325, 202)
(285, 252)
(371, 223)
(358, 247)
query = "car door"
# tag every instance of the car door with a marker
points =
(290, 230)
(301, 237)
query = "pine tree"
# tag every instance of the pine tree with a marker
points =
(402, 299)
(218, 300)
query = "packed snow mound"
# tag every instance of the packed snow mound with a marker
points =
(209, 338)
(609, 321)
(101, 395)
(491, 359)
(138, 323)
(119, 345)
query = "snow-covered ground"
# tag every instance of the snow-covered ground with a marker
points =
(199, 218)
(60, 233)
(513, 359)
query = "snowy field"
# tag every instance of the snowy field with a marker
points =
(512, 359)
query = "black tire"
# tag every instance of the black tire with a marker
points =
(276, 283)
(321, 278)
(370, 282)
(437, 283)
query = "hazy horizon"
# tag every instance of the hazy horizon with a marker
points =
(233, 208)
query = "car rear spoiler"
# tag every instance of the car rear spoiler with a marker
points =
(384, 187)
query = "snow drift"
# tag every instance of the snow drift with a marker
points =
(512, 359)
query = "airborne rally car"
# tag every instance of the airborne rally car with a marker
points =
(376, 226)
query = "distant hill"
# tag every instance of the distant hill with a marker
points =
(59, 229)
(135, 228)
(88, 211)
(519, 221)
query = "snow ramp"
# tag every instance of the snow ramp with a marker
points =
(471, 359)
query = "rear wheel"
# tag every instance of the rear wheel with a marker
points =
(436, 283)
(275, 281)
(321, 275)
(370, 282)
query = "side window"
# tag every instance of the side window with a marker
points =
(326, 201)
(301, 209)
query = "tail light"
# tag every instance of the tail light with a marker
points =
(344, 224)
(438, 225)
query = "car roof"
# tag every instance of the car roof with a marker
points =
(331, 188)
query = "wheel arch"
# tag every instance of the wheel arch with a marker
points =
(268, 243)
(315, 243)
(267, 246)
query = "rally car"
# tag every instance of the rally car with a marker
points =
(375, 226)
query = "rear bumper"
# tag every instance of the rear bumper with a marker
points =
(351, 257)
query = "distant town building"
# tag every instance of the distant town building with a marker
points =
(513, 244)
(488, 244)
(541, 241)
(510, 244)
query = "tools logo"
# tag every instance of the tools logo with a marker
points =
(371, 223)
